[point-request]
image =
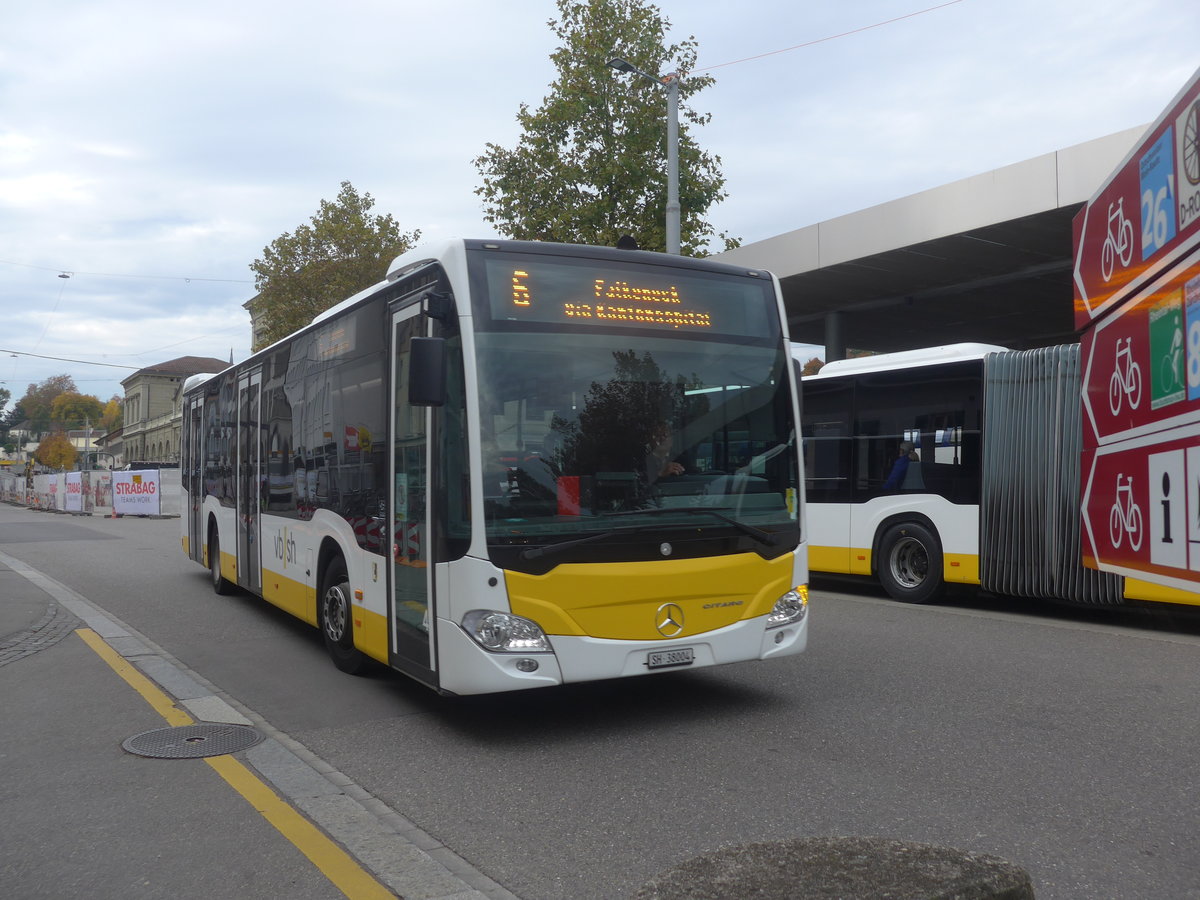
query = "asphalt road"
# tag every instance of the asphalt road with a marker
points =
(1066, 742)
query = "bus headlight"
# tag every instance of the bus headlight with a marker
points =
(503, 632)
(790, 608)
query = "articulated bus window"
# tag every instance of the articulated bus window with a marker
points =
(949, 450)
(827, 441)
(827, 461)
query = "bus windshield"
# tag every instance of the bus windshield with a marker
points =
(628, 394)
(593, 432)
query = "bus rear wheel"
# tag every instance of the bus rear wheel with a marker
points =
(911, 563)
(220, 584)
(337, 620)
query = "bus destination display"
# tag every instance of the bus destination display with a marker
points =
(525, 290)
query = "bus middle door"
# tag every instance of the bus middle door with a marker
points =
(251, 481)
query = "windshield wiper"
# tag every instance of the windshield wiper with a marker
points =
(770, 539)
(763, 537)
(547, 549)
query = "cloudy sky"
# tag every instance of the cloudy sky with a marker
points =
(151, 150)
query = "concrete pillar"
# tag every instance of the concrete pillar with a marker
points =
(835, 340)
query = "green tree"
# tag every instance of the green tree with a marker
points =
(5, 396)
(342, 251)
(55, 452)
(74, 410)
(590, 165)
(39, 399)
(15, 415)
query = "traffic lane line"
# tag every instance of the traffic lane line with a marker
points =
(331, 860)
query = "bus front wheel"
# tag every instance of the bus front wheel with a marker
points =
(337, 620)
(220, 584)
(911, 563)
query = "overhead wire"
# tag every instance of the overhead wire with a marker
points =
(831, 37)
(71, 272)
(67, 273)
(82, 362)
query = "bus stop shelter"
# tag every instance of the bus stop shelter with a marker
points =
(987, 258)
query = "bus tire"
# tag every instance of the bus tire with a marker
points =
(910, 567)
(220, 584)
(336, 617)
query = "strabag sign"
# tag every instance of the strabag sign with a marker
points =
(136, 493)
(75, 492)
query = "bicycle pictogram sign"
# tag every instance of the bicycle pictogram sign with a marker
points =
(1125, 519)
(1126, 381)
(1118, 241)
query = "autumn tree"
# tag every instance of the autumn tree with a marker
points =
(37, 404)
(74, 410)
(590, 165)
(812, 367)
(113, 413)
(342, 251)
(55, 452)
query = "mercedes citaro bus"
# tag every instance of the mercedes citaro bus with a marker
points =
(516, 464)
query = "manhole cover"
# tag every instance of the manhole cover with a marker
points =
(193, 741)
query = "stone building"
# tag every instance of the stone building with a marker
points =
(154, 408)
(257, 324)
(86, 443)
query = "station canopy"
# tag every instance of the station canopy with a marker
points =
(987, 259)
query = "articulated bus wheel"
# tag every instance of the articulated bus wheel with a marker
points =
(220, 584)
(337, 620)
(910, 563)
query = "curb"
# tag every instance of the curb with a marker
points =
(400, 855)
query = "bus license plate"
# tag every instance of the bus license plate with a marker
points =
(661, 659)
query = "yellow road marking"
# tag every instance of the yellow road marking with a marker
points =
(332, 861)
(151, 693)
(338, 866)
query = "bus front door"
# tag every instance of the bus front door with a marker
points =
(251, 482)
(193, 478)
(411, 616)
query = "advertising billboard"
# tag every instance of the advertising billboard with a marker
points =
(136, 493)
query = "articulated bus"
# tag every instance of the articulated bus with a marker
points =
(516, 464)
(991, 440)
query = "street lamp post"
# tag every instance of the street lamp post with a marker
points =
(671, 82)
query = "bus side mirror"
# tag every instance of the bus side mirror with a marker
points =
(427, 371)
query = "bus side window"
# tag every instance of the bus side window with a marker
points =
(951, 458)
(828, 443)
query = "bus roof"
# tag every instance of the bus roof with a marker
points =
(195, 380)
(905, 359)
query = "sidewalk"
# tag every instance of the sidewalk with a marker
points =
(80, 816)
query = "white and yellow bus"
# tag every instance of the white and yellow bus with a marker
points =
(511, 465)
(990, 493)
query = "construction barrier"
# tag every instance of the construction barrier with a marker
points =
(148, 492)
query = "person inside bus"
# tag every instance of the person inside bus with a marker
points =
(904, 474)
(659, 462)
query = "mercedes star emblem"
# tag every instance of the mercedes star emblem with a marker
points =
(669, 620)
